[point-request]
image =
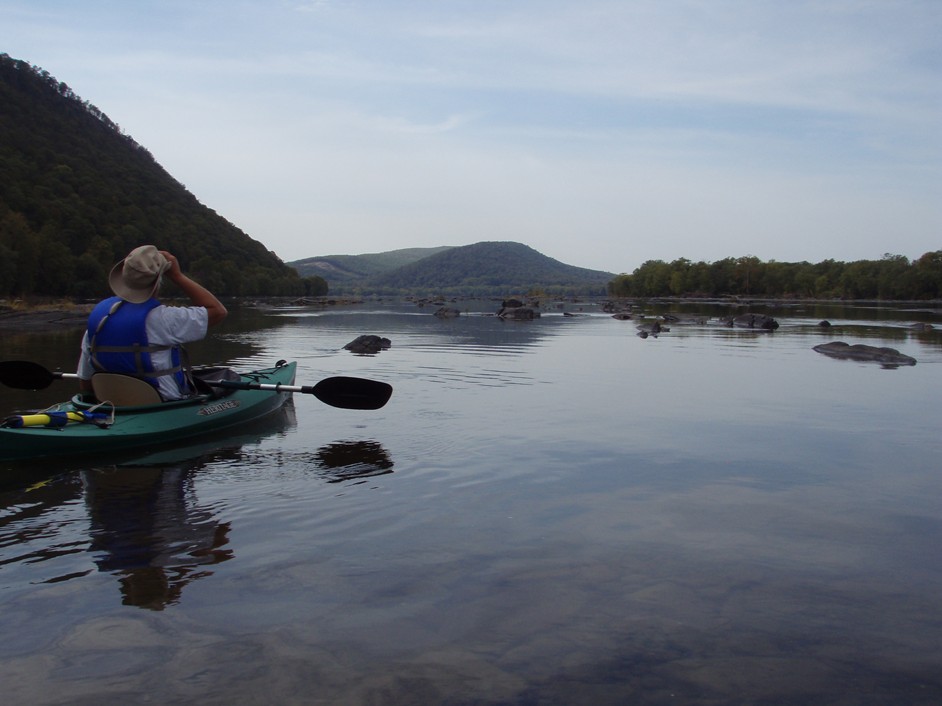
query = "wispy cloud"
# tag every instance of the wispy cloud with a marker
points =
(797, 130)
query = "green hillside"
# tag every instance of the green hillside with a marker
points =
(485, 268)
(77, 194)
(345, 269)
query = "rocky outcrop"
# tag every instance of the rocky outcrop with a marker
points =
(518, 313)
(754, 321)
(885, 356)
(515, 309)
(368, 344)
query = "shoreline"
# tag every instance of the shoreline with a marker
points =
(44, 316)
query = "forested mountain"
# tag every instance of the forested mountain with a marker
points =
(504, 267)
(345, 269)
(485, 268)
(76, 195)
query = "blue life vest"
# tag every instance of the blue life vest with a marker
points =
(117, 342)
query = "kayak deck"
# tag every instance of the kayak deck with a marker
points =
(148, 427)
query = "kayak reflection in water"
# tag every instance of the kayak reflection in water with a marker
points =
(147, 528)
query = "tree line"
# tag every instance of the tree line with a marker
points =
(893, 277)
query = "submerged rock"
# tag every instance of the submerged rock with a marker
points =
(859, 351)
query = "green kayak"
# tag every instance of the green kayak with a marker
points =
(82, 426)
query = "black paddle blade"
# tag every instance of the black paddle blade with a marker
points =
(352, 393)
(25, 375)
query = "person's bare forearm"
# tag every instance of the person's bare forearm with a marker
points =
(200, 296)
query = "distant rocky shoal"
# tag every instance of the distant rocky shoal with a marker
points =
(26, 319)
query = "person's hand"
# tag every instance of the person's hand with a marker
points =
(198, 294)
(174, 270)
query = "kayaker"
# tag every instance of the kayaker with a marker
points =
(133, 333)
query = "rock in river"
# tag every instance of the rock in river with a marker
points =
(520, 313)
(367, 344)
(760, 321)
(859, 351)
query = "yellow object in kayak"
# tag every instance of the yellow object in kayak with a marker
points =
(54, 419)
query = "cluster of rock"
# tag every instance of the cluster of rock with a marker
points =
(509, 309)
(755, 321)
(518, 311)
(515, 309)
(618, 310)
(651, 329)
(760, 322)
(428, 301)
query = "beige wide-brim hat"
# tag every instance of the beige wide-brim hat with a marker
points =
(137, 277)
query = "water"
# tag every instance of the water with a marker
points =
(546, 512)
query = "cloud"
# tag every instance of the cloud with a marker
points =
(601, 132)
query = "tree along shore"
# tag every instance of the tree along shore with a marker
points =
(893, 277)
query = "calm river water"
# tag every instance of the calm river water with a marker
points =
(552, 512)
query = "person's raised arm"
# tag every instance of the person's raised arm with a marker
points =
(197, 293)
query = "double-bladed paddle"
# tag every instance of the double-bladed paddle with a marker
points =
(343, 392)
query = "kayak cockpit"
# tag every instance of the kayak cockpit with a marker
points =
(88, 401)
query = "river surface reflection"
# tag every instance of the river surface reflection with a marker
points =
(553, 511)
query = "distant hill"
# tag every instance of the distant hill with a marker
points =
(339, 270)
(77, 194)
(485, 268)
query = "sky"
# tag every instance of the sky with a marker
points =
(603, 133)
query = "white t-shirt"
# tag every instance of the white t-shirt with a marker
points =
(165, 326)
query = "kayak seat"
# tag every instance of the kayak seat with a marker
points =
(124, 390)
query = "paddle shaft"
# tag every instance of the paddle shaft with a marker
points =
(276, 387)
(306, 389)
